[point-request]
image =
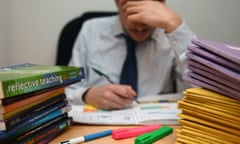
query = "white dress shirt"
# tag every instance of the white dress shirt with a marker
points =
(160, 59)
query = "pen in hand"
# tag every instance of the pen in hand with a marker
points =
(106, 77)
(87, 137)
(103, 75)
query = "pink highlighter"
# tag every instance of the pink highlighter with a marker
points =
(133, 132)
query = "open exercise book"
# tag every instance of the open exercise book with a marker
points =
(148, 112)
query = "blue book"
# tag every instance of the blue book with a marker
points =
(19, 130)
(24, 119)
(44, 131)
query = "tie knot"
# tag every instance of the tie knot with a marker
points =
(131, 43)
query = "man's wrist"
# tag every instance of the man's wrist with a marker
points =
(172, 26)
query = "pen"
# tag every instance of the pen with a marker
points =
(103, 75)
(132, 132)
(107, 78)
(87, 137)
(151, 137)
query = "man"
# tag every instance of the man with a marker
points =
(162, 38)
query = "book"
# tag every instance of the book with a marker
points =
(10, 100)
(25, 78)
(46, 134)
(46, 96)
(32, 116)
(19, 130)
(52, 127)
(20, 104)
(38, 117)
(137, 114)
(228, 51)
(19, 114)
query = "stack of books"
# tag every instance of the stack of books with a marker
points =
(33, 106)
(210, 111)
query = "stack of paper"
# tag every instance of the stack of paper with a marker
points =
(210, 113)
(214, 66)
(208, 117)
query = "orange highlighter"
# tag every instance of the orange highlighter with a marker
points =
(132, 132)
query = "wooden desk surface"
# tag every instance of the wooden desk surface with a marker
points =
(79, 130)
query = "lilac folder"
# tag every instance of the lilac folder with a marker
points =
(198, 65)
(205, 84)
(228, 51)
(217, 78)
(214, 57)
(221, 69)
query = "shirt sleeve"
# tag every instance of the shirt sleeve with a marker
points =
(74, 93)
(179, 40)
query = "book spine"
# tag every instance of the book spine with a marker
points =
(28, 118)
(38, 117)
(30, 100)
(38, 107)
(46, 135)
(30, 105)
(32, 125)
(32, 83)
(36, 131)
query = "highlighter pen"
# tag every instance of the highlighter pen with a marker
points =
(132, 132)
(87, 137)
(151, 137)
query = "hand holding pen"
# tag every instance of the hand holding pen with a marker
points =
(111, 96)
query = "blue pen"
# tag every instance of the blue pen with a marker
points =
(87, 137)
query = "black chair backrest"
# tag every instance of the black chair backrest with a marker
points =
(69, 33)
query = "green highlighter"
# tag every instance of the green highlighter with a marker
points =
(149, 138)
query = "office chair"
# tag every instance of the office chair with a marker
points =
(69, 33)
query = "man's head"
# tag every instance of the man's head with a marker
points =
(137, 30)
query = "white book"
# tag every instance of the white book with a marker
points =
(137, 114)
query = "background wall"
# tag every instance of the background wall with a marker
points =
(29, 29)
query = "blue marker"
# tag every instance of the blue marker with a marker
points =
(87, 137)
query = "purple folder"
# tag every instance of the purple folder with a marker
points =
(214, 57)
(209, 86)
(228, 51)
(214, 83)
(217, 78)
(212, 71)
(223, 70)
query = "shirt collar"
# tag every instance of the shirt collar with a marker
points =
(118, 27)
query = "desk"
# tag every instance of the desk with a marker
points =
(77, 130)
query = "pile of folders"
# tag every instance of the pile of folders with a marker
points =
(33, 105)
(210, 111)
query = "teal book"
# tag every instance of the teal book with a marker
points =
(25, 78)
(20, 130)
